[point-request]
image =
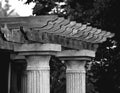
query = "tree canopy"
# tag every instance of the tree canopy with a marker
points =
(5, 10)
(100, 13)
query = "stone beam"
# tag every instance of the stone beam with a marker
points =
(38, 47)
(52, 29)
(6, 45)
(30, 22)
(75, 53)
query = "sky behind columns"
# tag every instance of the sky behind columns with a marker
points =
(21, 8)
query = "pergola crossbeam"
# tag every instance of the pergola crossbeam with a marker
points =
(52, 29)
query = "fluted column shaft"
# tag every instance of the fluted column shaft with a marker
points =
(75, 77)
(22, 62)
(24, 82)
(38, 74)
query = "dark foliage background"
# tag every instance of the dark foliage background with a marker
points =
(103, 73)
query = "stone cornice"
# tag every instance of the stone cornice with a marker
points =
(52, 29)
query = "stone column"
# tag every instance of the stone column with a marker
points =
(75, 76)
(38, 70)
(24, 82)
(38, 74)
(24, 79)
(76, 72)
(9, 77)
(21, 60)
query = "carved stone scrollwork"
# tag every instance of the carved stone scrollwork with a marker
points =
(13, 35)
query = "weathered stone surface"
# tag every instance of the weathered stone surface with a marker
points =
(31, 22)
(4, 45)
(38, 47)
(38, 74)
(51, 29)
(75, 76)
(75, 53)
(36, 39)
(13, 35)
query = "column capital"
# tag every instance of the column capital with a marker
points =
(17, 58)
(38, 49)
(75, 60)
(38, 63)
(76, 55)
(75, 66)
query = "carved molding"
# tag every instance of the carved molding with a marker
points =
(52, 29)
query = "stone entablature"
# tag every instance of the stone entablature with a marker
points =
(50, 29)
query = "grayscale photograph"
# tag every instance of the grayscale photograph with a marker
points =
(59, 46)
